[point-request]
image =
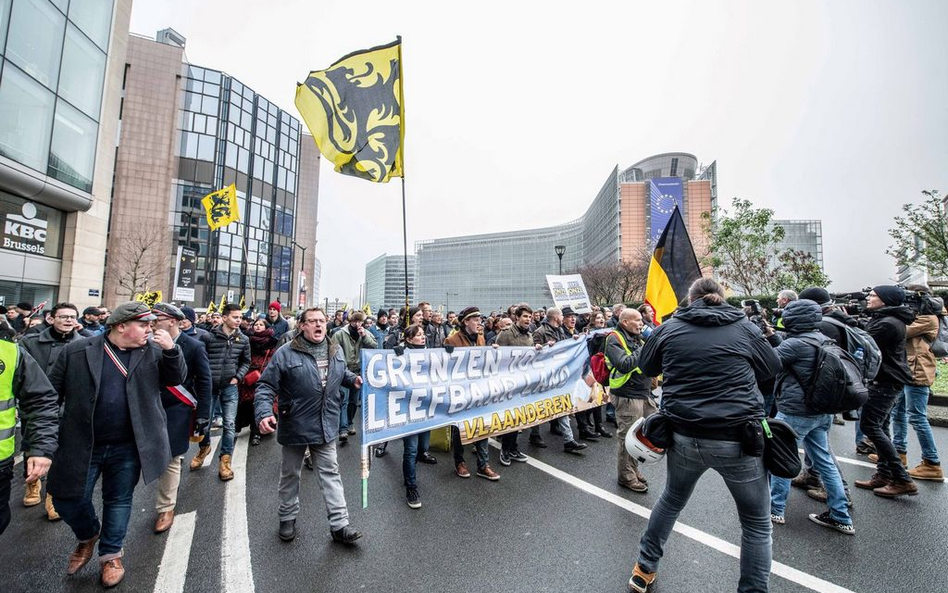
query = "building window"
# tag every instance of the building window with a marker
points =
(82, 72)
(72, 155)
(27, 120)
(36, 39)
(4, 22)
(94, 17)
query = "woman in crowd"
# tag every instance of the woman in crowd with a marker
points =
(416, 445)
(590, 421)
(262, 346)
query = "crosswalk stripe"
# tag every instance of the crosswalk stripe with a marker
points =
(236, 571)
(853, 461)
(173, 569)
(215, 442)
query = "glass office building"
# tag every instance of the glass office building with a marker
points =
(57, 139)
(802, 235)
(511, 267)
(385, 281)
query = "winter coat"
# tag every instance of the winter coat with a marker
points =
(308, 411)
(459, 339)
(514, 336)
(833, 331)
(229, 356)
(279, 327)
(547, 333)
(712, 358)
(262, 347)
(76, 377)
(639, 385)
(434, 335)
(352, 348)
(45, 347)
(198, 383)
(919, 336)
(37, 406)
(887, 328)
(797, 353)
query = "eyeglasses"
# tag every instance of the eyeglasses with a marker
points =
(65, 317)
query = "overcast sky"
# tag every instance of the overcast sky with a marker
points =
(516, 112)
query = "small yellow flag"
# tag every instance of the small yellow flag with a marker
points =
(223, 303)
(242, 303)
(221, 207)
(212, 308)
(367, 309)
(149, 297)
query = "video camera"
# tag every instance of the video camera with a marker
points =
(854, 303)
(755, 313)
(924, 303)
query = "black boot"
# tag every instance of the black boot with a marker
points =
(346, 536)
(288, 530)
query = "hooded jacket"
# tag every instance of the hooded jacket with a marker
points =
(712, 358)
(887, 328)
(919, 336)
(802, 320)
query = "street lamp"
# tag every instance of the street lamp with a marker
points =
(560, 250)
(302, 267)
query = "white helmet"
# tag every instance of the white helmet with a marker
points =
(639, 447)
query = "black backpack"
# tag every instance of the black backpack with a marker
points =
(837, 384)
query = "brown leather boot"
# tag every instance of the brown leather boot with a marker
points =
(224, 472)
(198, 460)
(81, 556)
(51, 513)
(897, 488)
(112, 572)
(874, 457)
(164, 522)
(31, 494)
(876, 481)
(926, 470)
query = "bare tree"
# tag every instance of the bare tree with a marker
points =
(138, 261)
(616, 282)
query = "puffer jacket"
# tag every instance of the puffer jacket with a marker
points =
(797, 354)
(229, 356)
(919, 336)
(308, 411)
(887, 328)
(712, 358)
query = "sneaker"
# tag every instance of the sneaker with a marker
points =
(414, 502)
(825, 520)
(461, 470)
(926, 470)
(380, 450)
(819, 494)
(518, 456)
(780, 519)
(343, 436)
(488, 474)
(641, 580)
(504, 458)
(217, 423)
(254, 440)
(537, 441)
(837, 420)
(352, 430)
(865, 448)
(574, 447)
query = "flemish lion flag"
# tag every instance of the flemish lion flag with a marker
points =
(673, 268)
(221, 207)
(211, 308)
(353, 109)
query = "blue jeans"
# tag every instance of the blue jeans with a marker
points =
(813, 434)
(480, 449)
(344, 409)
(746, 479)
(120, 468)
(414, 444)
(914, 403)
(228, 397)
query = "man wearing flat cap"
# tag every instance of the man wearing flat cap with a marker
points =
(113, 426)
(188, 407)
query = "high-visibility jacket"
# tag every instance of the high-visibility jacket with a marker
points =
(617, 381)
(8, 355)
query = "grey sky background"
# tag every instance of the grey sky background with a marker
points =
(517, 111)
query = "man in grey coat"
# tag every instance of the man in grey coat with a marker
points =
(113, 426)
(305, 377)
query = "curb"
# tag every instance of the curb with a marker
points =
(938, 400)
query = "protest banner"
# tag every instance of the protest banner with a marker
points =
(569, 290)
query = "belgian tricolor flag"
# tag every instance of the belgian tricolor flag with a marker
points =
(673, 268)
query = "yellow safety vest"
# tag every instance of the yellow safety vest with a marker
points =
(617, 381)
(8, 354)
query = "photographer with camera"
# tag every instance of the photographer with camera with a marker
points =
(889, 317)
(912, 405)
(784, 298)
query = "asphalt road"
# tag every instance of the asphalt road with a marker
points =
(558, 523)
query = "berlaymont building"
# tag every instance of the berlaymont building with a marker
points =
(622, 223)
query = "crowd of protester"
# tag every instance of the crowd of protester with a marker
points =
(166, 375)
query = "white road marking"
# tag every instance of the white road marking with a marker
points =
(782, 570)
(215, 442)
(853, 461)
(17, 459)
(173, 569)
(236, 571)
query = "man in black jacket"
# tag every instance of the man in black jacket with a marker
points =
(228, 352)
(45, 347)
(630, 390)
(185, 403)
(887, 328)
(712, 358)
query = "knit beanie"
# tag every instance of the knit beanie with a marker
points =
(276, 305)
(818, 295)
(892, 296)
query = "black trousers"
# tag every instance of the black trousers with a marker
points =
(6, 477)
(874, 424)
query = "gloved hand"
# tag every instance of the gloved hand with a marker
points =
(201, 426)
(399, 350)
(448, 348)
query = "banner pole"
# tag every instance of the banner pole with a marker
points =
(365, 477)
(405, 245)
